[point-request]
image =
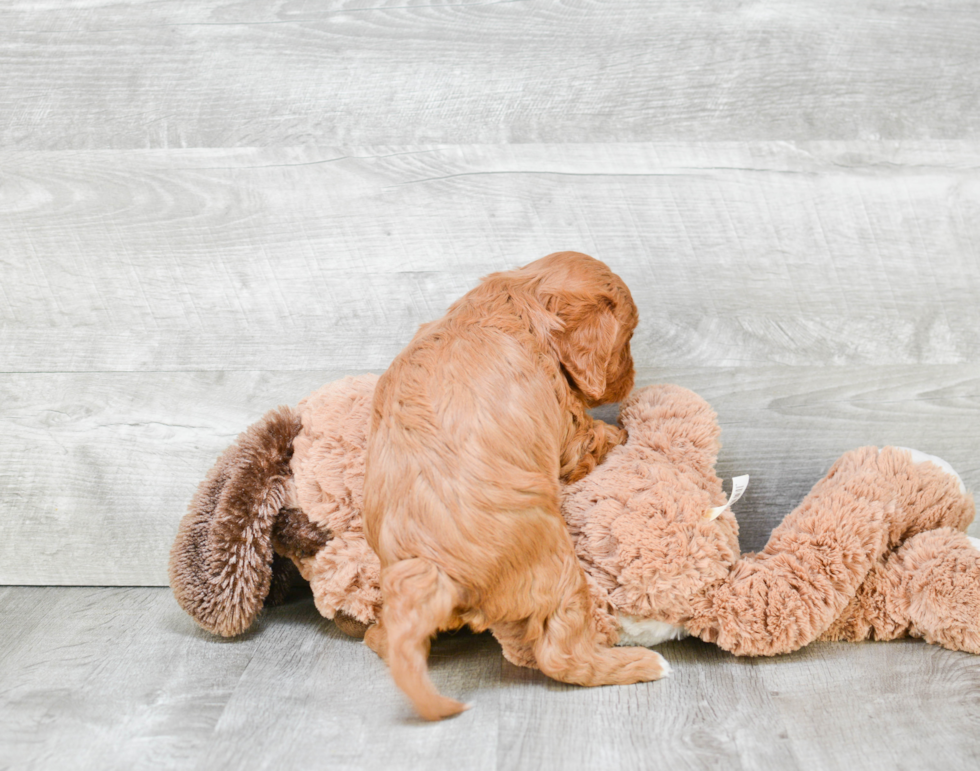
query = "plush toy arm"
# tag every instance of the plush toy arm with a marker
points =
(929, 588)
(817, 559)
(786, 596)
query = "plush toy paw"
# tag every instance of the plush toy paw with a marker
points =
(350, 626)
(938, 579)
(920, 457)
(925, 493)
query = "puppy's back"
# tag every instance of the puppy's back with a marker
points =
(464, 426)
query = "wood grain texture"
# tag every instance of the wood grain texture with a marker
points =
(122, 679)
(96, 469)
(102, 466)
(91, 75)
(829, 706)
(210, 208)
(737, 254)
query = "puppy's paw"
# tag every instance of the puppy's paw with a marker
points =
(440, 707)
(641, 665)
(617, 435)
(607, 436)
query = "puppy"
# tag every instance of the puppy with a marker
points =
(472, 428)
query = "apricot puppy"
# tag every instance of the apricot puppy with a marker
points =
(472, 428)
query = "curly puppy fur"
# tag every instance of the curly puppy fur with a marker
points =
(473, 427)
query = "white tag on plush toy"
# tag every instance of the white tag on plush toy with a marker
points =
(738, 487)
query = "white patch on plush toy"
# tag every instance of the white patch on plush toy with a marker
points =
(647, 632)
(975, 542)
(920, 457)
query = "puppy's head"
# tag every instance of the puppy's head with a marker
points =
(597, 317)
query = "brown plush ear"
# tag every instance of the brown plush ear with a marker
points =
(585, 344)
(221, 561)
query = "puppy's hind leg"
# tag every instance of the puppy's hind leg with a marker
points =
(419, 600)
(569, 649)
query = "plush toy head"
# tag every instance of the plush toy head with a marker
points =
(640, 521)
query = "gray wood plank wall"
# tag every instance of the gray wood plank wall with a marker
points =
(210, 208)
(234, 73)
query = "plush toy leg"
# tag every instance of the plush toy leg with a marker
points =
(933, 509)
(815, 561)
(929, 588)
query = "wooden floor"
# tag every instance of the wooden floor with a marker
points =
(210, 208)
(121, 679)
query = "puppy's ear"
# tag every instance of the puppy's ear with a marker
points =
(585, 344)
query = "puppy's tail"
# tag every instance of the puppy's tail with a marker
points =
(419, 600)
(222, 561)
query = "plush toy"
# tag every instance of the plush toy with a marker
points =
(877, 550)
